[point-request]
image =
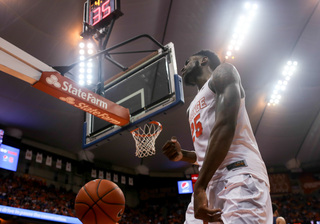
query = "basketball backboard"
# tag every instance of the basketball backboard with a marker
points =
(150, 87)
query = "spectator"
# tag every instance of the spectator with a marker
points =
(277, 219)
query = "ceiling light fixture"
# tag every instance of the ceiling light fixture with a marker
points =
(280, 87)
(242, 27)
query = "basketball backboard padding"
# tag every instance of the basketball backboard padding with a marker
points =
(20, 64)
(72, 93)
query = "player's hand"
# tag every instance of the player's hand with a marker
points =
(172, 149)
(201, 210)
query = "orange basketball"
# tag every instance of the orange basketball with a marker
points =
(99, 201)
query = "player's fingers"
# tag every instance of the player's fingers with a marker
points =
(214, 215)
(210, 215)
(168, 146)
(176, 143)
(214, 211)
(171, 154)
(168, 150)
(173, 139)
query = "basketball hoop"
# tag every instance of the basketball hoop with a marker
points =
(145, 138)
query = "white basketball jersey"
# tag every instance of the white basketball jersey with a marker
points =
(243, 147)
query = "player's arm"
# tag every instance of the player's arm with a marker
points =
(173, 151)
(225, 82)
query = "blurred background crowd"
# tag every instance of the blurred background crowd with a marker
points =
(30, 192)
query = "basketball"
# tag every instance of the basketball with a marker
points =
(99, 201)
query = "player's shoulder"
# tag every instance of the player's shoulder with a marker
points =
(225, 69)
(225, 74)
(226, 65)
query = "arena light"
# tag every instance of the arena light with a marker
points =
(288, 70)
(241, 29)
(81, 45)
(86, 67)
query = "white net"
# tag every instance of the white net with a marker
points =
(145, 138)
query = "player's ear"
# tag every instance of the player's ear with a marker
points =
(204, 60)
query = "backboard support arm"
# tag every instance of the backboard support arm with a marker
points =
(65, 69)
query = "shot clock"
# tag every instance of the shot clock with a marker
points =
(100, 13)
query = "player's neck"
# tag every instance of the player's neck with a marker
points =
(201, 80)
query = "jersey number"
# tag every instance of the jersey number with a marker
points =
(196, 127)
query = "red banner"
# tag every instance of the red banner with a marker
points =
(66, 90)
(310, 182)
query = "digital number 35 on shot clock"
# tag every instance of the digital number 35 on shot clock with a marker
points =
(99, 13)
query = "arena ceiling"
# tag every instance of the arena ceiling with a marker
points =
(282, 30)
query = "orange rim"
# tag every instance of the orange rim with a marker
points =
(149, 135)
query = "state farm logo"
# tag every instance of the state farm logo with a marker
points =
(53, 80)
(68, 100)
(72, 89)
(68, 91)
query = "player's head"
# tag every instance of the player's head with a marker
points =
(214, 60)
(197, 64)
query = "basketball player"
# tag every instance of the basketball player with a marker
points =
(277, 219)
(233, 185)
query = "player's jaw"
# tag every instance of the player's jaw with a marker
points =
(190, 74)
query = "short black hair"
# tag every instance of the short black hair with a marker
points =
(274, 207)
(214, 60)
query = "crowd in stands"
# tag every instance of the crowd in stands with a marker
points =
(169, 212)
(32, 193)
(299, 208)
(295, 208)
